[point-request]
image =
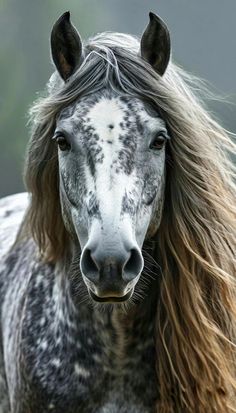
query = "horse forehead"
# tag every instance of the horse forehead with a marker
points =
(107, 113)
(106, 109)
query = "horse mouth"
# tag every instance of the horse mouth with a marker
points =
(111, 299)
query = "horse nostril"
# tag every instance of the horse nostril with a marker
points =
(134, 265)
(88, 265)
(110, 270)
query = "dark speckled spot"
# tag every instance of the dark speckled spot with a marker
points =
(128, 205)
(7, 213)
(93, 207)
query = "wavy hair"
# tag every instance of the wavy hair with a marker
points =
(196, 242)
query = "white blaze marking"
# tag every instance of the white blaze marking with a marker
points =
(110, 185)
(104, 113)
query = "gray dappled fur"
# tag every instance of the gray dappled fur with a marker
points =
(61, 352)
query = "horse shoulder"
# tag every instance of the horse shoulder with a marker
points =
(12, 210)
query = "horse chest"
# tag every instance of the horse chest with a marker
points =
(89, 378)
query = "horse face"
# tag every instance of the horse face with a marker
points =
(112, 173)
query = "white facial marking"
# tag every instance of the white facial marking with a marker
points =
(110, 184)
(104, 113)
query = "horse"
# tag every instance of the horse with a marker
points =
(117, 276)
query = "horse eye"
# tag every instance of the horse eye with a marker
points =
(158, 142)
(62, 142)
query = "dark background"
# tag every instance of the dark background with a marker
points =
(203, 42)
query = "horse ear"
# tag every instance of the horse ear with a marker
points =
(155, 44)
(66, 46)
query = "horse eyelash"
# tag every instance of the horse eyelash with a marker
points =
(58, 134)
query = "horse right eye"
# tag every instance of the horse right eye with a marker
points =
(158, 142)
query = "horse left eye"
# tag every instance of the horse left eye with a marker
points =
(62, 142)
(158, 142)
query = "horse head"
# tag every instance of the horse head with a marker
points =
(111, 156)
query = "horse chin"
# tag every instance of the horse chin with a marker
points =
(111, 299)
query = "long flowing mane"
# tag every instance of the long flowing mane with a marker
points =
(195, 245)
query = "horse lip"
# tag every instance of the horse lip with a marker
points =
(111, 299)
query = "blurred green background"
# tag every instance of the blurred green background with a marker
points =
(203, 41)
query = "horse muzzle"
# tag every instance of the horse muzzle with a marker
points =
(110, 273)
